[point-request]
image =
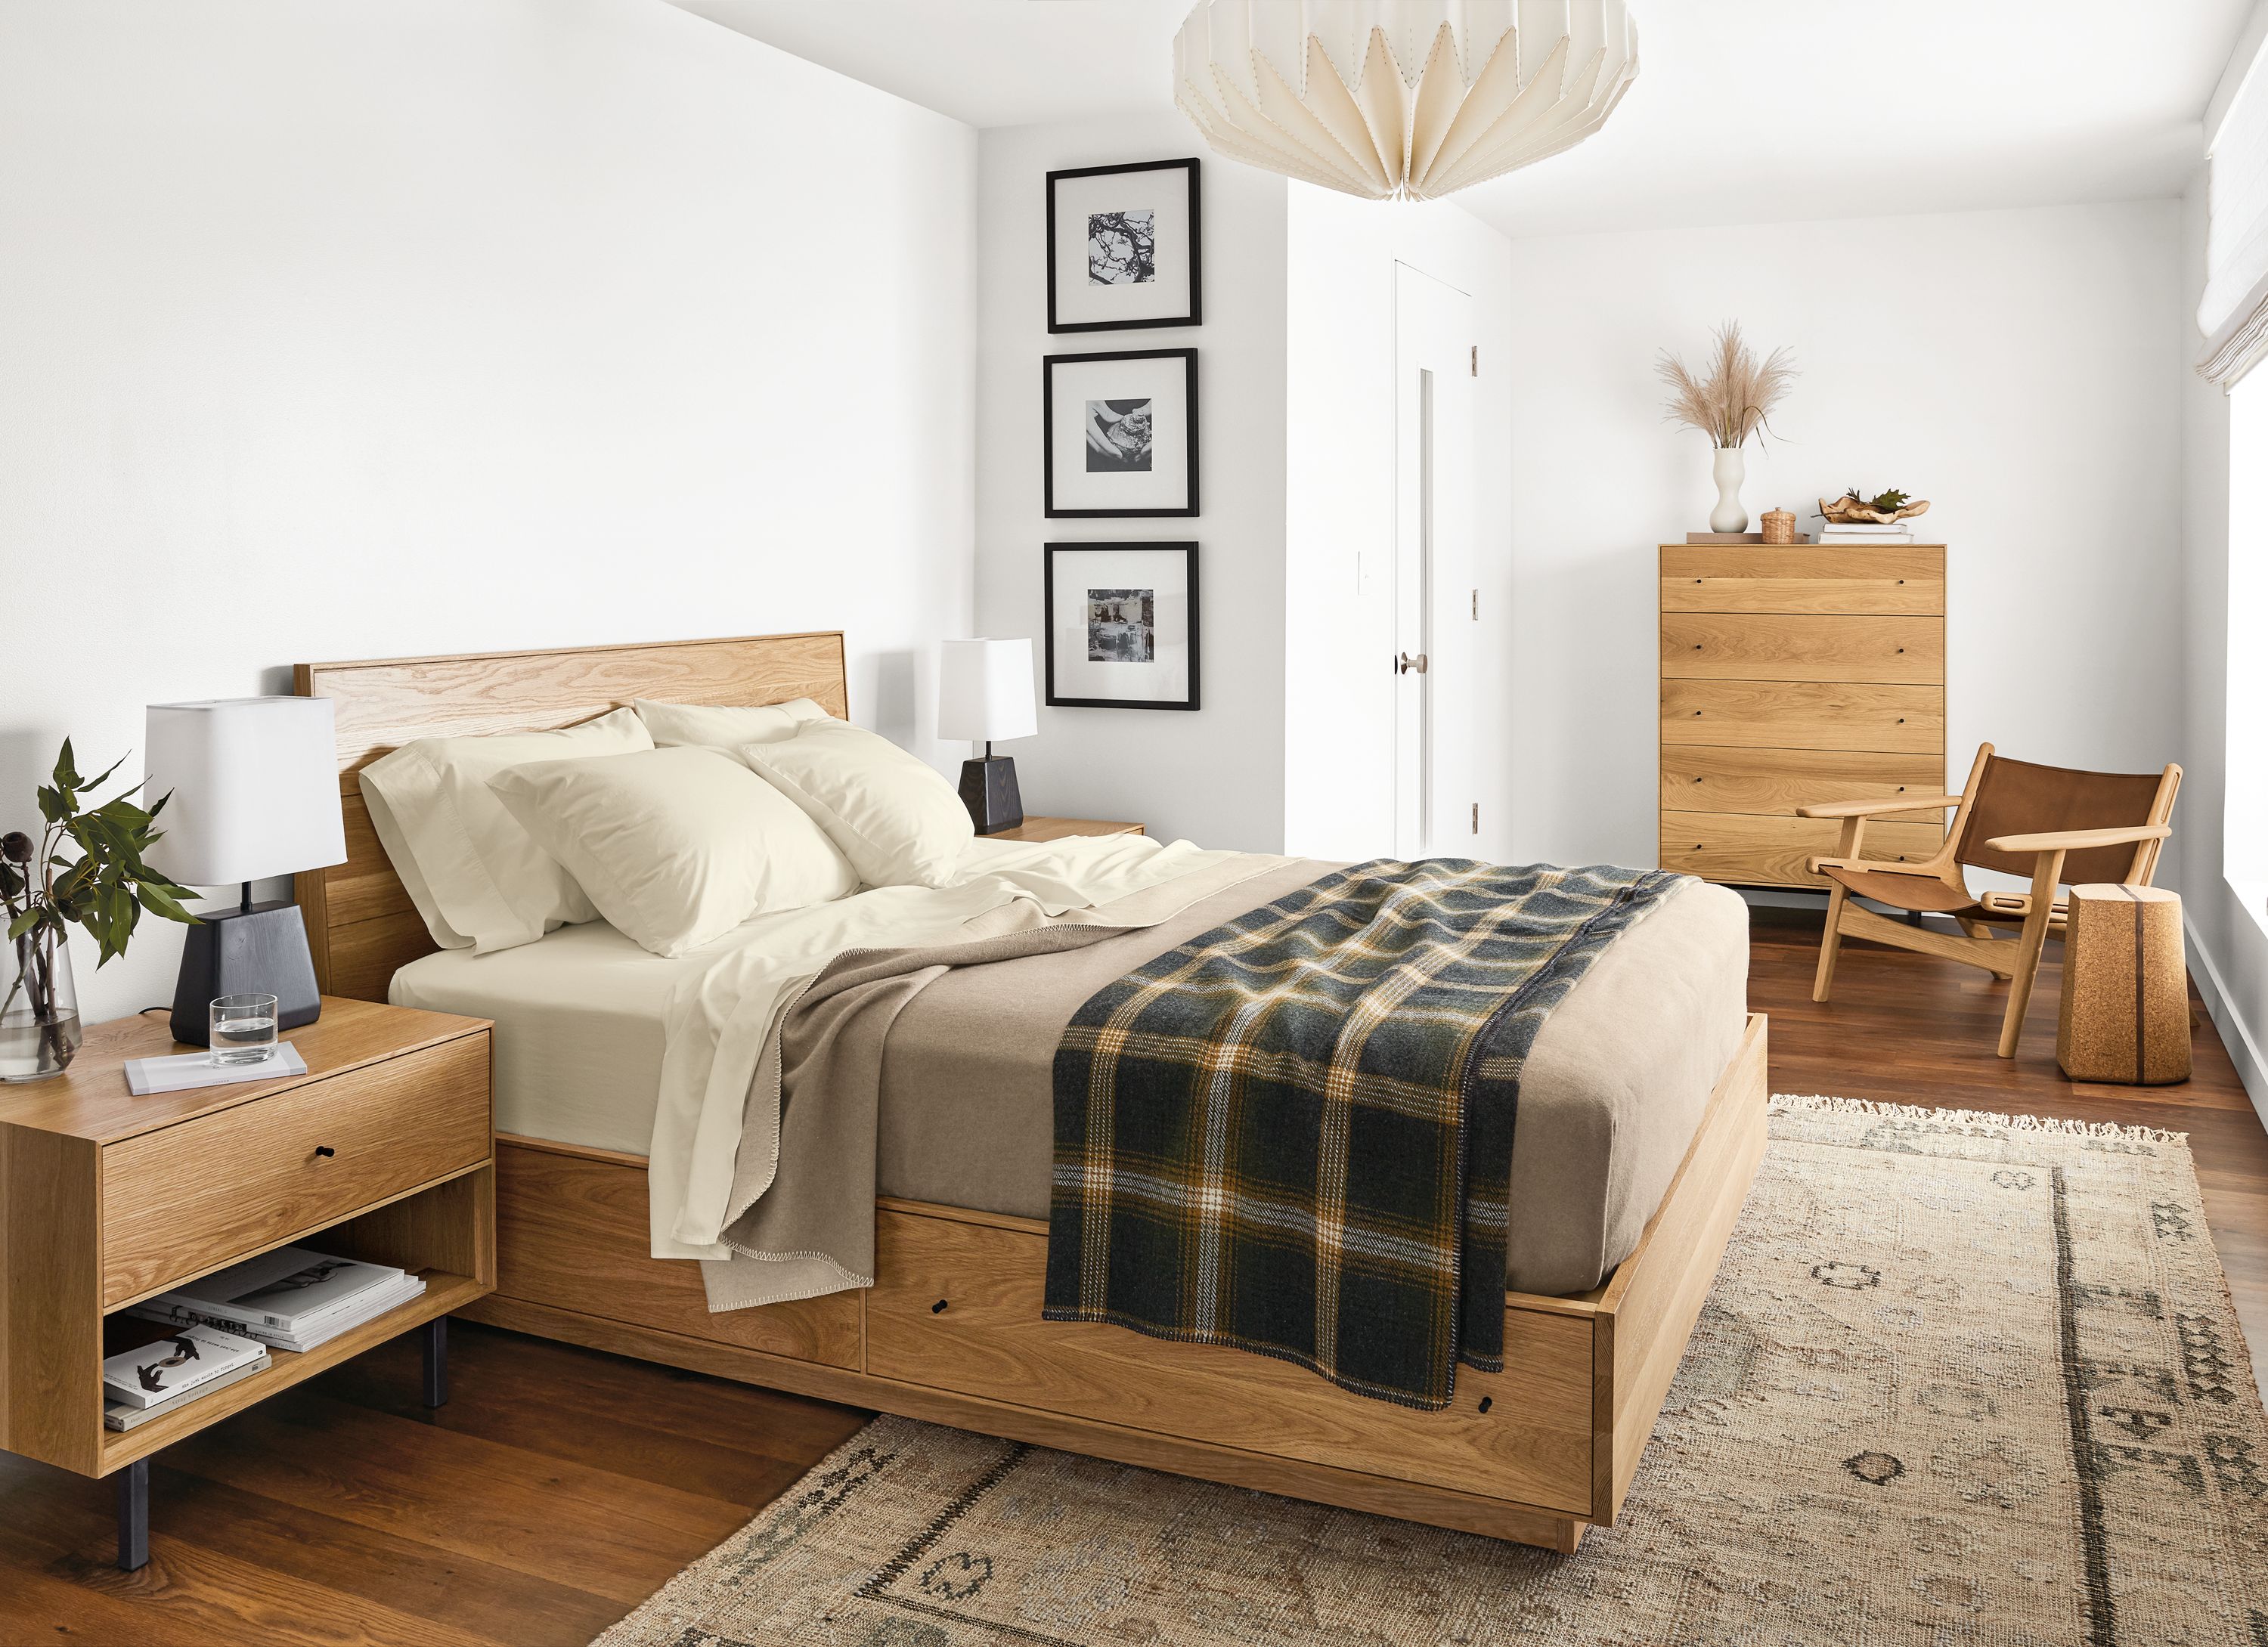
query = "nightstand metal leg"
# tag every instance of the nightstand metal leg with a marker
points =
(132, 1484)
(435, 1337)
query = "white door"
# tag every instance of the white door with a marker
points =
(1432, 559)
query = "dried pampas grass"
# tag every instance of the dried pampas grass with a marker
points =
(1734, 396)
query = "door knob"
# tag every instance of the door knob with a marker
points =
(1405, 664)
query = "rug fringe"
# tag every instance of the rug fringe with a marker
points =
(1794, 1103)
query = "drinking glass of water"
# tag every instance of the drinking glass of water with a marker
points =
(243, 1029)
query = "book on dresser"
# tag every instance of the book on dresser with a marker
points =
(1792, 675)
(292, 1298)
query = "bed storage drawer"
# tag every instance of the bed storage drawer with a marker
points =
(190, 1197)
(957, 1307)
(572, 1233)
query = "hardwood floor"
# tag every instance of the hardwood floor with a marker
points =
(560, 1487)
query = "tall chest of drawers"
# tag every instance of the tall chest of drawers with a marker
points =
(1792, 675)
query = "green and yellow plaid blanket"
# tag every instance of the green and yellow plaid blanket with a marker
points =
(1292, 1134)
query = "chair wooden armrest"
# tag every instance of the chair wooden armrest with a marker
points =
(2079, 840)
(1872, 866)
(1876, 809)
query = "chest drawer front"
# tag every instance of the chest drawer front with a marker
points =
(1761, 852)
(1836, 579)
(1701, 645)
(1804, 715)
(193, 1197)
(1696, 778)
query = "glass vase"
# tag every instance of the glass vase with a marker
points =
(39, 1030)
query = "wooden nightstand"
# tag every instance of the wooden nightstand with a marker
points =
(1058, 828)
(383, 1150)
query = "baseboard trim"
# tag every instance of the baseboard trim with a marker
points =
(2235, 1035)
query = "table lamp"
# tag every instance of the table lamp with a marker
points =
(984, 692)
(256, 793)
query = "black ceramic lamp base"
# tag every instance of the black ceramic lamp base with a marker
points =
(258, 949)
(988, 789)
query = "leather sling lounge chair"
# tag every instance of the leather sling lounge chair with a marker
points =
(2053, 826)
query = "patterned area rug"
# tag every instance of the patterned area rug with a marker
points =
(1961, 1379)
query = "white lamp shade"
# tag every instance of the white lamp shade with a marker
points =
(1401, 98)
(984, 691)
(254, 784)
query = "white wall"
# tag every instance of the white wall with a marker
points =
(1214, 774)
(1340, 694)
(2228, 936)
(346, 331)
(2017, 368)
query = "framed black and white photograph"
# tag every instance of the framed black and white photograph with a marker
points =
(1124, 247)
(1122, 625)
(1120, 432)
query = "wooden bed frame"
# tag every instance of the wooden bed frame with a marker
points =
(951, 1332)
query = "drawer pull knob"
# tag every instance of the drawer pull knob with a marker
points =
(938, 1308)
(324, 1149)
(1487, 1401)
(1697, 647)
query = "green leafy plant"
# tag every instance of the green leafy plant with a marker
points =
(1890, 502)
(85, 869)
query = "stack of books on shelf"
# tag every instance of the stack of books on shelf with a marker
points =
(139, 1385)
(291, 1298)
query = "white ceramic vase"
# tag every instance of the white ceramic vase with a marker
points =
(1729, 471)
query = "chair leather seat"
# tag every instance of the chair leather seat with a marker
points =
(1924, 892)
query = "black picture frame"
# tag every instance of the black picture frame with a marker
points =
(1048, 367)
(1058, 700)
(1195, 316)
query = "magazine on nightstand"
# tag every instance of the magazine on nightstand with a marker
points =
(292, 1298)
(188, 1362)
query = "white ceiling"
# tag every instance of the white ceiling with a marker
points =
(1745, 111)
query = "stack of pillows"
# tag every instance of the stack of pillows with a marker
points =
(674, 822)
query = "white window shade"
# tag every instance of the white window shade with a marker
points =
(2234, 312)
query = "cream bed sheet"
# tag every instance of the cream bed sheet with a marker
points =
(579, 1018)
(578, 1039)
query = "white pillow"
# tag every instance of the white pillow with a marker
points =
(675, 847)
(490, 886)
(898, 822)
(714, 727)
(405, 864)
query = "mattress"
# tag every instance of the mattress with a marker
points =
(1611, 1095)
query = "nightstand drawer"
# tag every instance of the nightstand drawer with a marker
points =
(191, 1197)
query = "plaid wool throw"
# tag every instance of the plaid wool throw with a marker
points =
(1292, 1134)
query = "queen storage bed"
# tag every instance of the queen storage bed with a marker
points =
(1640, 1124)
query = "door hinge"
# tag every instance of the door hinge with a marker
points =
(1476, 816)
(1476, 360)
(1476, 606)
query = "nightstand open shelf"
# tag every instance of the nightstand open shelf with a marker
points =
(444, 1293)
(384, 1150)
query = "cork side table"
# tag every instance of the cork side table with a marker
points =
(2125, 1013)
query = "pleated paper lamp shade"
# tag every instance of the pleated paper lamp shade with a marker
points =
(1408, 99)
